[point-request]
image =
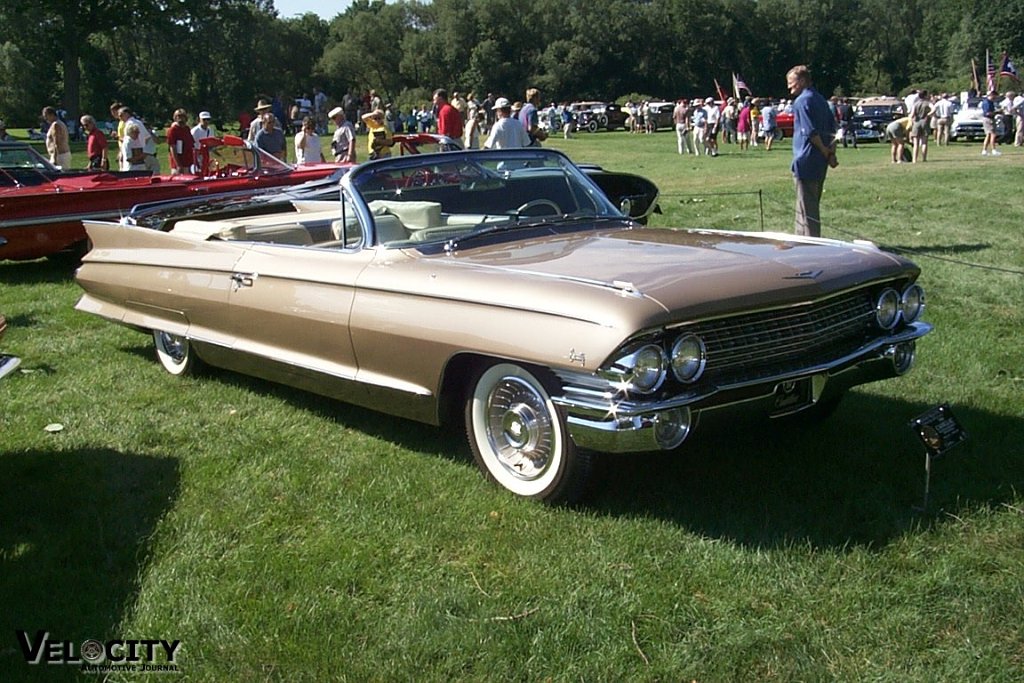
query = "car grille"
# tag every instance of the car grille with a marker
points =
(753, 346)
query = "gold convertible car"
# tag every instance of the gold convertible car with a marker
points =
(503, 290)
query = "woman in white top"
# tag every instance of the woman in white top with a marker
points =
(307, 144)
(471, 136)
(132, 156)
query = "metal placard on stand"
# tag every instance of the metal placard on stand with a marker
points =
(939, 431)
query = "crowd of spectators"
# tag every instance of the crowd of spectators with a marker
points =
(471, 122)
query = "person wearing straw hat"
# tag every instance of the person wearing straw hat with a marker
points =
(262, 107)
(343, 144)
(507, 131)
(379, 139)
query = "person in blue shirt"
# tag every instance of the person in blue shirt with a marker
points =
(814, 133)
(988, 123)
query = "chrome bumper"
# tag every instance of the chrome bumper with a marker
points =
(603, 423)
(8, 364)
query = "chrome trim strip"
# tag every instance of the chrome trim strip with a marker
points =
(61, 218)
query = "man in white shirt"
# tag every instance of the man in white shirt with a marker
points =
(506, 132)
(714, 125)
(200, 131)
(203, 129)
(1018, 117)
(943, 117)
(343, 144)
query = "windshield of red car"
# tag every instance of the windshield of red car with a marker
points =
(245, 160)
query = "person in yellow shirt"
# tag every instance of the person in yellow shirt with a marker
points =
(380, 138)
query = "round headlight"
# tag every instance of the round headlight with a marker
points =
(912, 303)
(647, 370)
(688, 358)
(887, 309)
(671, 427)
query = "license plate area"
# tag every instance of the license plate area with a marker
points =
(791, 396)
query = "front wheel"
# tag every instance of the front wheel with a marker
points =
(175, 353)
(519, 438)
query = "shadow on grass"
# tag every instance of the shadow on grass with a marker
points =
(850, 480)
(41, 271)
(73, 543)
(853, 479)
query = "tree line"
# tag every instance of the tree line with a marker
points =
(220, 55)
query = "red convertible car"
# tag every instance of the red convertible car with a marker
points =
(42, 209)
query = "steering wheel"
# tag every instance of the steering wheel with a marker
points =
(228, 171)
(538, 202)
(421, 177)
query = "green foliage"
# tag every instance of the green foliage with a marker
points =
(218, 55)
(19, 87)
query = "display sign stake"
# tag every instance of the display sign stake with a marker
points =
(939, 431)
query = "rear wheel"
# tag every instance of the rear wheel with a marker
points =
(519, 438)
(175, 353)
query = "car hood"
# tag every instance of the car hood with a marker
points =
(658, 275)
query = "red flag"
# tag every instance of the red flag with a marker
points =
(721, 95)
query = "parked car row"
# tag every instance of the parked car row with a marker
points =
(871, 115)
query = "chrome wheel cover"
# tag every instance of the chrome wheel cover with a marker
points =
(519, 428)
(173, 347)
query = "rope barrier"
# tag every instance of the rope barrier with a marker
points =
(852, 235)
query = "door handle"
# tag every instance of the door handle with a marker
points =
(243, 279)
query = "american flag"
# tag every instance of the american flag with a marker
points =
(1008, 69)
(739, 86)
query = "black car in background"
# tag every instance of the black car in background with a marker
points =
(595, 116)
(871, 115)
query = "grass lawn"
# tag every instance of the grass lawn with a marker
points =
(282, 536)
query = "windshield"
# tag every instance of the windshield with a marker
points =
(879, 109)
(437, 197)
(23, 157)
(236, 160)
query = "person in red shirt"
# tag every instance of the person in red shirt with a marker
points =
(181, 144)
(449, 120)
(95, 145)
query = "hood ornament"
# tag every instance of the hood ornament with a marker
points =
(805, 275)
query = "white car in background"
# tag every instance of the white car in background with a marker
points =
(967, 121)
